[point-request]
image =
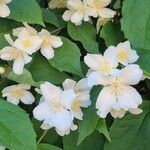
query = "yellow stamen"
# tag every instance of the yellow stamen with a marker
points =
(122, 55)
(17, 93)
(105, 68)
(46, 42)
(27, 43)
(76, 105)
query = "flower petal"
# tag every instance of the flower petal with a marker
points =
(18, 66)
(96, 78)
(128, 98)
(93, 61)
(106, 13)
(131, 74)
(47, 52)
(77, 18)
(62, 120)
(105, 102)
(50, 91)
(67, 15)
(27, 98)
(42, 112)
(56, 41)
(4, 11)
(13, 100)
(69, 84)
(67, 97)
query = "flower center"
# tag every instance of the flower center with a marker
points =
(56, 106)
(2, 1)
(105, 68)
(17, 93)
(117, 87)
(27, 43)
(76, 105)
(122, 55)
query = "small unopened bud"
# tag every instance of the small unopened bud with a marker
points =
(2, 70)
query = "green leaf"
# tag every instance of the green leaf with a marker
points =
(136, 23)
(94, 141)
(16, 131)
(25, 78)
(131, 132)
(102, 128)
(86, 34)
(112, 34)
(50, 17)
(67, 58)
(26, 11)
(90, 119)
(144, 61)
(7, 25)
(41, 70)
(47, 147)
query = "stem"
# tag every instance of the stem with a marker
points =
(42, 136)
(56, 30)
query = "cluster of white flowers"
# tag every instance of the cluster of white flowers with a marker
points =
(58, 108)
(79, 11)
(28, 42)
(4, 9)
(117, 96)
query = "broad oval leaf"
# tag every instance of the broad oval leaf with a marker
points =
(136, 23)
(41, 70)
(112, 34)
(26, 11)
(86, 34)
(131, 132)
(16, 131)
(67, 58)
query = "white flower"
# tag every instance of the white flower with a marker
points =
(123, 53)
(28, 42)
(98, 8)
(11, 53)
(30, 29)
(4, 9)
(77, 12)
(51, 109)
(17, 93)
(2, 70)
(57, 4)
(81, 93)
(2, 148)
(104, 64)
(49, 42)
(118, 96)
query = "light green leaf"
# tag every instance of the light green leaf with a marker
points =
(16, 131)
(136, 23)
(26, 11)
(112, 34)
(47, 147)
(131, 132)
(102, 128)
(86, 34)
(67, 58)
(25, 78)
(41, 70)
(94, 141)
(90, 119)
